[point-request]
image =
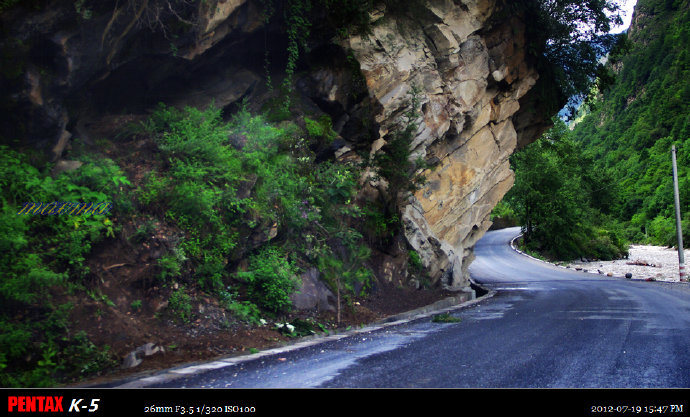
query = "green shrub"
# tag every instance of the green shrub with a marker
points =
(271, 279)
(209, 274)
(170, 267)
(662, 231)
(41, 353)
(40, 253)
(445, 318)
(245, 311)
(321, 129)
(379, 223)
(415, 261)
(603, 248)
(87, 358)
(180, 304)
(279, 188)
(153, 190)
(217, 194)
(143, 232)
(198, 191)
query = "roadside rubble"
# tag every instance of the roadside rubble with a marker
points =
(652, 263)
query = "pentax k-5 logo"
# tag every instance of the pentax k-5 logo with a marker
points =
(49, 404)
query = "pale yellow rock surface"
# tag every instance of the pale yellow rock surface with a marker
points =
(470, 77)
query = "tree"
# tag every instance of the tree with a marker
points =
(545, 194)
(568, 38)
(556, 199)
(630, 130)
(346, 272)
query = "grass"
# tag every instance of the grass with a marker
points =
(445, 318)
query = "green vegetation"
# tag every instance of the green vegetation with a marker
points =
(445, 318)
(503, 215)
(347, 274)
(557, 197)
(271, 279)
(393, 164)
(180, 304)
(415, 261)
(136, 305)
(321, 129)
(44, 255)
(267, 189)
(629, 128)
(567, 38)
(245, 311)
(590, 191)
(243, 203)
(197, 192)
(170, 267)
(244, 189)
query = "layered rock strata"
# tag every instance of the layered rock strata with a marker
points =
(470, 75)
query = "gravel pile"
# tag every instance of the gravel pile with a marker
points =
(644, 262)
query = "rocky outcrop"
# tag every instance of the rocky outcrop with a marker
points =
(467, 67)
(65, 62)
(472, 75)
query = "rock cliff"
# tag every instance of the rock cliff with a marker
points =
(473, 76)
(68, 63)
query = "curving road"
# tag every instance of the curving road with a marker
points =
(541, 326)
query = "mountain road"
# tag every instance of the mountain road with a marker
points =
(540, 326)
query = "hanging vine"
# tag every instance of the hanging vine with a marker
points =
(297, 28)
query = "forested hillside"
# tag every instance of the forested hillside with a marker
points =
(631, 127)
(610, 177)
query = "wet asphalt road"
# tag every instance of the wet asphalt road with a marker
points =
(544, 327)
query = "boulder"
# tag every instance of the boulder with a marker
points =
(136, 357)
(313, 293)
